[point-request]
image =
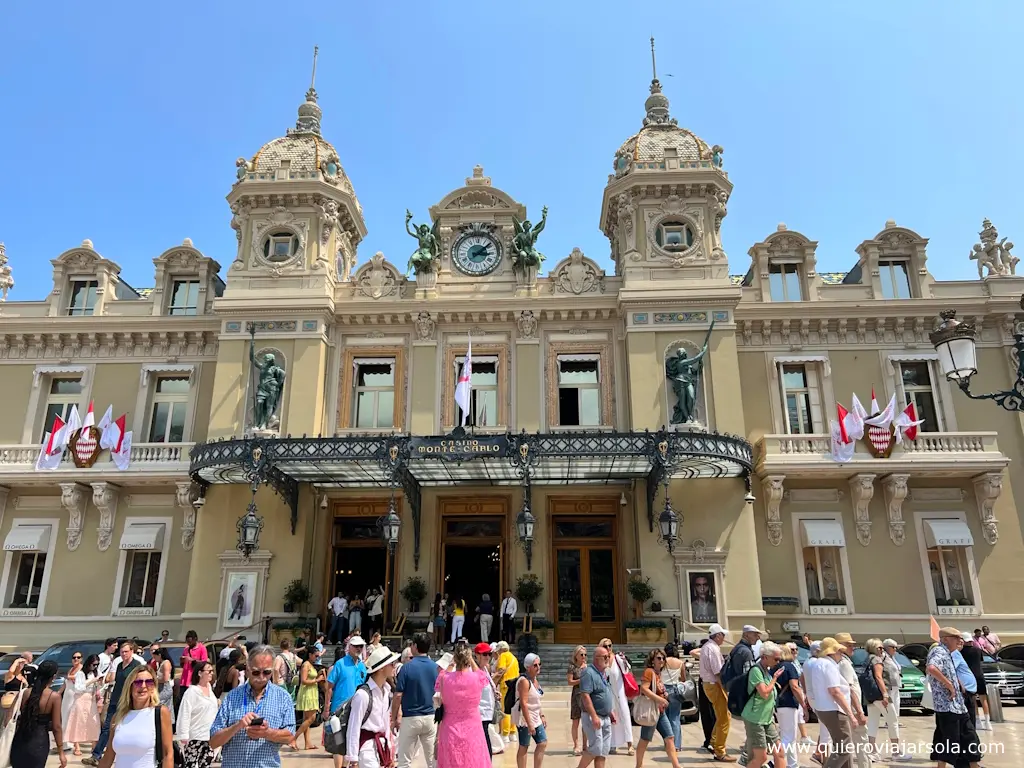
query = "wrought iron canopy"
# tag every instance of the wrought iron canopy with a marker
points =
(410, 462)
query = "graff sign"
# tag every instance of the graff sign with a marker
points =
(458, 448)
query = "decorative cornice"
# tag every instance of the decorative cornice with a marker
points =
(987, 489)
(104, 497)
(773, 494)
(894, 488)
(862, 489)
(110, 344)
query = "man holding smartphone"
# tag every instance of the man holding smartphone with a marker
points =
(254, 719)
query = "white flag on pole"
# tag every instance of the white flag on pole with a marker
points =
(54, 443)
(121, 451)
(74, 424)
(108, 429)
(464, 386)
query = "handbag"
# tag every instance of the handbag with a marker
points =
(645, 711)
(177, 756)
(628, 681)
(7, 734)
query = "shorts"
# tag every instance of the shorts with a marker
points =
(539, 735)
(663, 726)
(761, 736)
(599, 740)
(954, 737)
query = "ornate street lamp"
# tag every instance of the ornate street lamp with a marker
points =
(955, 343)
(525, 522)
(668, 524)
(390, 526)
(249, 527)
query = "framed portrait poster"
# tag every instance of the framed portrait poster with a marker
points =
(703, 592)
(240, 601)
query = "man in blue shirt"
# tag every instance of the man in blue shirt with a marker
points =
(254, 719)
(968, 681)
(414, 698)
(597, 705)
(347, 674)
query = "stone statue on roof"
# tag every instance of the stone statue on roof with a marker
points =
(995, 256)
(6, 281)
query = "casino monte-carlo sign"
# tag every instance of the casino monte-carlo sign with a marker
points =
(457, 448)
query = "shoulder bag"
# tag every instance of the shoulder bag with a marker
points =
(176, 755)
(628, 681)
(7, 734)
(645, 710)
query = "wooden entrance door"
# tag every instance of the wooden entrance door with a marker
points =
(587, 595)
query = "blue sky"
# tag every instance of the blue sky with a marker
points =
(122, 121)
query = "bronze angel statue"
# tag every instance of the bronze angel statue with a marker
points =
(524, 244)
(428, 250)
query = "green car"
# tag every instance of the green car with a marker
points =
(912, 678)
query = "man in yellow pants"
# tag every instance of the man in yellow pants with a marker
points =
(711, 663)
(507, 672)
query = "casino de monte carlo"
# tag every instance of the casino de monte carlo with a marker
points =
(741, 515)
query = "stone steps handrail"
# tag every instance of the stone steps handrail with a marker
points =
(148, 454)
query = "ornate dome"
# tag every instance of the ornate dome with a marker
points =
(307, 153)
(647, 149)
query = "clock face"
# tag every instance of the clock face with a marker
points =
(476, 254)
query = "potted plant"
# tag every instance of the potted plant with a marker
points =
(646, 631)
(414, 591)
(544, 630)
(641, 591)
(528, 590)
(296, 596)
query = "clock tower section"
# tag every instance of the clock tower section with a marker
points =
(475, 229)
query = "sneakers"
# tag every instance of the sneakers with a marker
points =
(90, 760)
(983, 724)
(900, 757)
(808, 740)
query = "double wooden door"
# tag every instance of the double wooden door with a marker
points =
(587, 599)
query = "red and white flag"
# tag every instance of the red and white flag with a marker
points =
(54, 443)
(108, 435)
(121, 452)
(843, 415)
(842, 447)
(874, 403)
(90, 417)
(906, 423)
(882, 418)
(464, 386)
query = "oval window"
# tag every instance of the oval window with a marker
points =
(674, 236)
(280, 246)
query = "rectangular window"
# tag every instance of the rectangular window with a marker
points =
(784, 282)
(579, 392)
(823, 575)
(170, 405)
(29, 568)
(141, 578)
(83, 297)
(483, 402)
(184, 297)
(895, 279)
(947, 568)
(801, 399)
(62, 395)
(917, 389)
(374, 398)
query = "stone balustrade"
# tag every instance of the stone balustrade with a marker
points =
(167, 459)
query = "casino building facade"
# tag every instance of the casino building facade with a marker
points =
(570, 418)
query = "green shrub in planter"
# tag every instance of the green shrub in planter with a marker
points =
(414, 591)
(528, 590)
(297, 595)
(640, 590)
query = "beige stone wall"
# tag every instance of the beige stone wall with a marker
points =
(16, 386)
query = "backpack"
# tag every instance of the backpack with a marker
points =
(290, 671)
(869, 685)
(730, 671)
(336, 742)
(739, 694)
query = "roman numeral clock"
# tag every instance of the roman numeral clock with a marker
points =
(476, 252)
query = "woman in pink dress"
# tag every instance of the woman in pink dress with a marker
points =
(83, 723)
(460, 739)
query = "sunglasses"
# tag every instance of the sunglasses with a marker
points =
(76, 658)
(148, 683)
(260, 672)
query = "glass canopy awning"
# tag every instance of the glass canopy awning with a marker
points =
(411, 462)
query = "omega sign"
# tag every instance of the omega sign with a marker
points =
(458, 449)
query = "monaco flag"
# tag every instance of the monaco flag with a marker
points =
(464, 387)
(906, 423)
(843, 415)
(121, 451)
(90, 417)
(54, 443)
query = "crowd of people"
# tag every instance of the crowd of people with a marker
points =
(380, 709)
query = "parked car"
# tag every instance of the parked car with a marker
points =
(1012, 654)
(1007, 675)
(61, 653)
(8, 658)
(911, 678)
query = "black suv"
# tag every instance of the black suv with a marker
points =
(61, 653)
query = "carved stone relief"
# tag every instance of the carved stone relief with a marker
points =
(895, 490)
(378, 278)
(104, 497)
(862, 490)
(987, 489)
(773, 493)
(425, 326)
(577, 275)
(73, 499)
(526, 323)
(183, 498)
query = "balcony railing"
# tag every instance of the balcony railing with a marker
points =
(947, 453)
(169, 458)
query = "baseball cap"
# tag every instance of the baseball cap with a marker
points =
(967, 637)
(716, 629)
(482, 648)
(751, 628)
(357, 640)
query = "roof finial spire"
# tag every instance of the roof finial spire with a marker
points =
(657, 102)
(312, 80)
(654, 62)
(309, 112)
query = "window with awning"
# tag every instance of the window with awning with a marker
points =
(822, 533)
(28, 538)
(143, 544)
(823, 542)
(947, 533)
(144, 537)
(28, 545)
(946, 541)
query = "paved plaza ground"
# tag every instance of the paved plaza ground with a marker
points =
(1006, 743)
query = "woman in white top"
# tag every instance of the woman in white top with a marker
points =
(527, 715)
(622, 730)
(198, 709)
(671, 678)
(133, 728)
(68, 694)
(369, 743)
(83, 723)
